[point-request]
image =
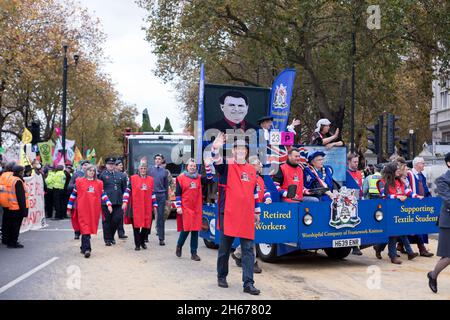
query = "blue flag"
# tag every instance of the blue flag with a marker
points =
(280, 98)
(200, 123)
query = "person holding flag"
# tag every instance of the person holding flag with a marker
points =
(89, 194)
(138, 201)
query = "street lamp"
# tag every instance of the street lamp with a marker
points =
(76, 57)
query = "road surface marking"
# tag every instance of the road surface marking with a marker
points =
(26, 275)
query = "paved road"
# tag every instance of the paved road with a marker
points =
(119, 272)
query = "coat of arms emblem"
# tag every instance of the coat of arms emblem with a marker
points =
(344, 209)
(244, 176)
(280, 97)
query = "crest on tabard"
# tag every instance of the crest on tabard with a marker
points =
(280, 97)
(344, 209)
(244, 176)
(144, 187)
(91, 189)
(193, 185)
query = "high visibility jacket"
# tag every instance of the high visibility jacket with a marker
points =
(5, 189)
(11, 199)
(373, 179)
(56, 180)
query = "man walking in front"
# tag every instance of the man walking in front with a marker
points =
(161, 186)
(238, 211)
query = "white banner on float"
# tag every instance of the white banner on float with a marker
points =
(36, 210)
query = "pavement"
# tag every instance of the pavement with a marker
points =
(51, 267)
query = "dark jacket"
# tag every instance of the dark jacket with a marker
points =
(443, 190)
(114, 185)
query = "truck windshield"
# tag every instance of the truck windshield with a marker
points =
(173, 151)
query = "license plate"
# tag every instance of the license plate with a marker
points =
(346, 243)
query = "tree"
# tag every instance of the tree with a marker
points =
(146, 126)
(158, 128)
(167, 126)
(249, 43)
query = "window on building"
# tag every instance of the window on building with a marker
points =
(444, 99)
(446, 137)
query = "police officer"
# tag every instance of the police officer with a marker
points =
(119, 168)
(370, 189)
(59, 181)
(114, 184)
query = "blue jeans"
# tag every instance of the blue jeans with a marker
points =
(248, 257)
(392, 246)
(194, 240)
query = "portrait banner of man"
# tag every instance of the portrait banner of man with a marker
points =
(234, 107)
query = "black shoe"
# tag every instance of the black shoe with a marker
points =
(138, 248)
(252, 290)
(87, 254)
(412, 256)
(237, 260)
(356, 251)
(108, 244)
(162, 243)
(222, 283)
(432, 283)
(15, 246)
(195, 257)
(113, 242)
(178, 252)
(146, 240)
(123, 237)
(256, 268)
(77, 237)
(144, 246)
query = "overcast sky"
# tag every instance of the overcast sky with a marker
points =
(131, 60)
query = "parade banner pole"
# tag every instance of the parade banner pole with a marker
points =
(200, 124)
(280, 98)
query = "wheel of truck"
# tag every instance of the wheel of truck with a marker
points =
(210, 244)
(337, 253)
(267, 252)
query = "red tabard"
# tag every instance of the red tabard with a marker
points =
(74, 218)
(398, 190)
(141, 195)
(239, 212)
(191, 204)
(260, 187)
(291, 176)
(89, 204)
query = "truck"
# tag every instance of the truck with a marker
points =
(176, 149)
(332, 226)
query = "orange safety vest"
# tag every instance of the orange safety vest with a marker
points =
(4, 190)
(10, 190)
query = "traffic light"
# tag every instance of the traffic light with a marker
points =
(391, 130)
(375, 139)
(403, 151)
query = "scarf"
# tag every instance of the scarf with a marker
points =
(189, 175)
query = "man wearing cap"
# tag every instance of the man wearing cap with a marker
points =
(119, 168)
(161, 187)
(370, 189)
(59, 181)
(263, 138)
(291, 173)
(318, 175)
(238, 211)
(74, 217)
(115, 185)
(322, 136)
(16, 207)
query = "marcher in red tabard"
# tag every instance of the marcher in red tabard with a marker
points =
(238, 211)
(189, 207)
(140, 197)
(89, 194)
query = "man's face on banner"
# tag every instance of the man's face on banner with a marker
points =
(234, 109)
